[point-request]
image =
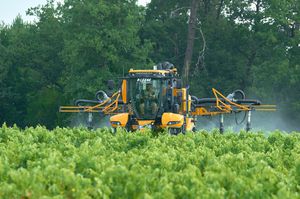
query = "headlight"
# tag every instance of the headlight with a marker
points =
(173, 122)
(115, 123)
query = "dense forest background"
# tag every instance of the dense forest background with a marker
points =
(75, 47)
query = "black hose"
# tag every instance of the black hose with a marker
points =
(241, 100)
(240, 92)
(212, 101)
(101, 96)
(194, 98)
(82, 102)
(242, 121)
(248, 102)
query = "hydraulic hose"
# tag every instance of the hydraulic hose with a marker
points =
(83, 102)
(212, 101)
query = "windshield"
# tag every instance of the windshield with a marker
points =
(146, 96)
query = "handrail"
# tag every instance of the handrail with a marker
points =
(227, 108)
(104, 102)
(108, 106)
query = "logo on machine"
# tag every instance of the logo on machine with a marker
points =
(144, 80)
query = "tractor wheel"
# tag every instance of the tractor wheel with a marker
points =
(128, 127)
(176, 131)
(114, 130)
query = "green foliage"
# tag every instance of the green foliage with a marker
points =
(100, 36)
(250, 45)
(76, 46)
(78, 163)
(69, 53)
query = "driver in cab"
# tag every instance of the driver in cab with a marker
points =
(148, 99)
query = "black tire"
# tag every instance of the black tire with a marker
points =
(176, 131)
(194, 130)
(178, 83)
(128, 128)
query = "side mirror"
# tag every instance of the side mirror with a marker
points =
(179, 98)
(178, 84)
(169, 94)
(176, 108)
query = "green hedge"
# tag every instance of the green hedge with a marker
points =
(78, 163)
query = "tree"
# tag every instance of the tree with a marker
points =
(250, 45)
(101, 43)
(15, 59)
(190, 40)
(68, 53)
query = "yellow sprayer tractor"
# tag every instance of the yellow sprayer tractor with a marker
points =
(156, 99)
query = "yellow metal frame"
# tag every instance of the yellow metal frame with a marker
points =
(222, 106)
(124, 90)
(227, 108)
(109, 106)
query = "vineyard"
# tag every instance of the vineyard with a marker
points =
(79, 163)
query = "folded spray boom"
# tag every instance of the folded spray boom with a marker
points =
(156, 98)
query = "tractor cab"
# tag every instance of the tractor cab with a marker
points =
(148, 96)
(150, 91)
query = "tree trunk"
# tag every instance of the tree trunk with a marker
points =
(220, 9)
(248, 79)
(190, 41)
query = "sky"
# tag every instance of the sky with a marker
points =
(9, 9)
